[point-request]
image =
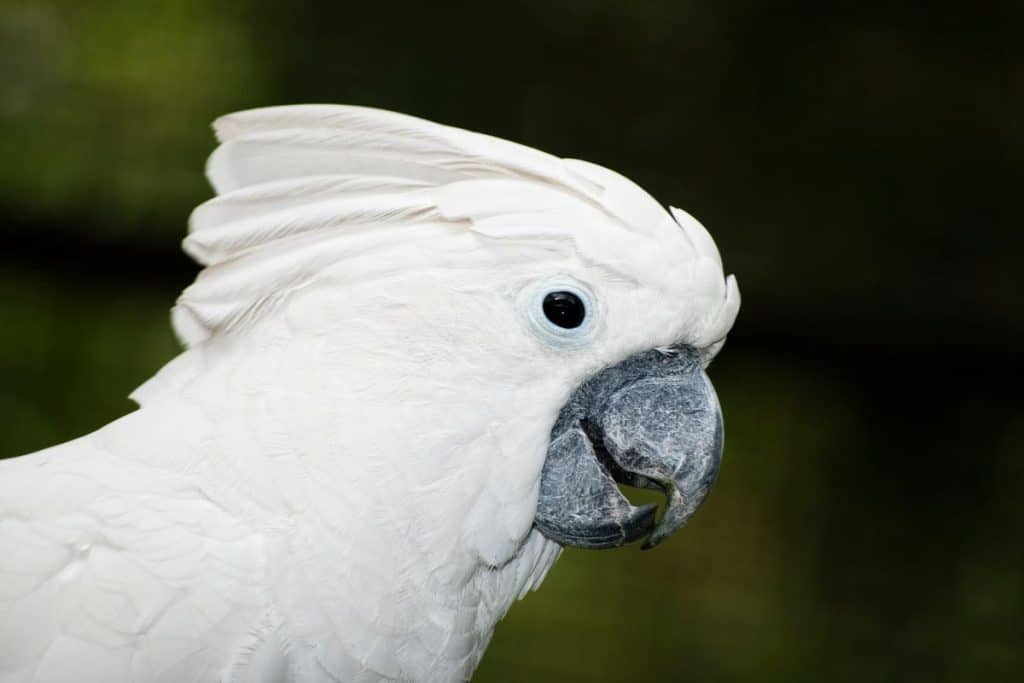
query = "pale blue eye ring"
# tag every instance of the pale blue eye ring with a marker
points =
(552, 304)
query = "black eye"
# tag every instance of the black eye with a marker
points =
(564, 309)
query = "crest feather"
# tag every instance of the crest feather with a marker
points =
(303, 187)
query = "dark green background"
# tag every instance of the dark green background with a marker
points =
(858, 164)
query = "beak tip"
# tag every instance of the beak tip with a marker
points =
(678, 511)
(660, 533)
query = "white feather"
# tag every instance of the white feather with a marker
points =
(337, 479)
(318, 169)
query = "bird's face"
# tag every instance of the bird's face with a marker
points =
(607, 365)
(640, 410)
(532, 323)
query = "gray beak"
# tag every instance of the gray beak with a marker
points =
(652, 421)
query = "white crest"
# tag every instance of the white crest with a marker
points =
(303, 187)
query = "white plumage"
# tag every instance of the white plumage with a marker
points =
(336, 480)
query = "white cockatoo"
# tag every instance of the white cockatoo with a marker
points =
(417, 362)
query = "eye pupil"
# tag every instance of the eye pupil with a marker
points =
(564, 309)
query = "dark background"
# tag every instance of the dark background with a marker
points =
(858, 164)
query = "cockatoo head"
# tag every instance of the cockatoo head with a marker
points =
(543, 317)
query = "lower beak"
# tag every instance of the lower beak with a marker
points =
(652, 421)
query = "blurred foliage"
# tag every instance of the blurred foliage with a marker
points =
(107, 111)
(856, 163)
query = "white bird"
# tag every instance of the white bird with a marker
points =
(416, 362)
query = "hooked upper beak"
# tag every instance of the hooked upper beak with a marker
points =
(652, 421)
